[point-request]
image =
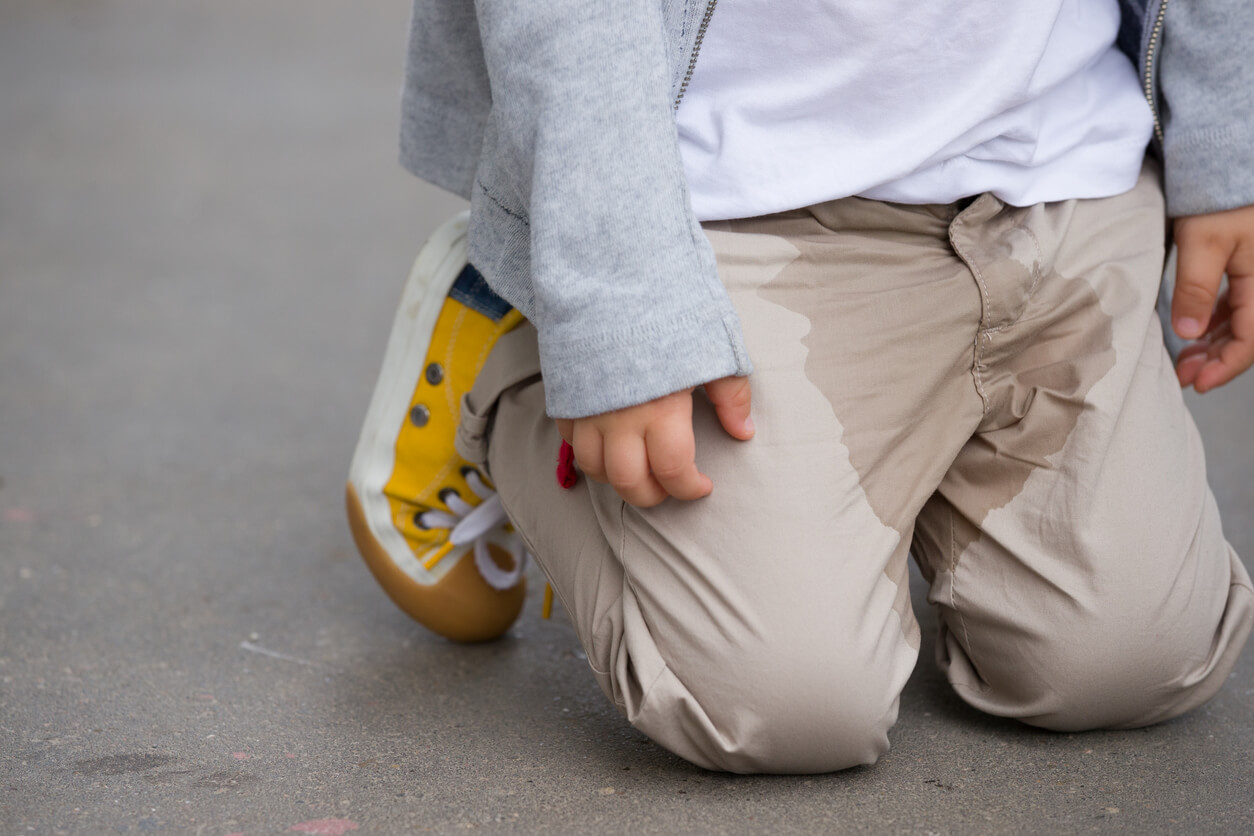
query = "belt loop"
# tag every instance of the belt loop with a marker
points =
(472, 433)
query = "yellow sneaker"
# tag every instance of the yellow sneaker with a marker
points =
(427, 522)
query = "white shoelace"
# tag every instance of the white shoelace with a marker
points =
(472, 523)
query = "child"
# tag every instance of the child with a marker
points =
(932, 231)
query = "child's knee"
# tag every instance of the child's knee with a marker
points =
(1122, 672)
(776, 713)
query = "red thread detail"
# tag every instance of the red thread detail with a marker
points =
(566, 475)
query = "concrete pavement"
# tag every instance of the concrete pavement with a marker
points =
(202, 235)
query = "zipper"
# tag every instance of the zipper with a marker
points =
(696, 49)
(1148, 80)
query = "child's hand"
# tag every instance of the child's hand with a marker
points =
(648, 452)
(1210, 245)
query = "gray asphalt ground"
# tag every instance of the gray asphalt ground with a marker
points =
(202, 235)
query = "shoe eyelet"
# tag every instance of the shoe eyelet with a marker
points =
(444, 494)
(419, 415)
(466, 470)
(418, 521)
(435, 374)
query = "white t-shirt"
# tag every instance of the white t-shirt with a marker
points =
(795, 102)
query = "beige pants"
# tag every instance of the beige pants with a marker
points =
(982, 385)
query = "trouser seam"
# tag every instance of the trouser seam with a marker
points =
(622, 556)
(648, 692)
(981, 329)
(953, 597)
(977, 359)
(556, 589)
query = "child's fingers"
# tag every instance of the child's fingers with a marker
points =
(1231, 349)
(732, 399)
(589, 449)
(1221, 317)
(672, 453)
(1234, 358)
(1202, 257)
(1188, 367)
(627, 470)
(1201, 353)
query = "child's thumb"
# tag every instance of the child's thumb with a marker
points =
(732, 399)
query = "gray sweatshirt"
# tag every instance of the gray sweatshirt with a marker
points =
(556, 121)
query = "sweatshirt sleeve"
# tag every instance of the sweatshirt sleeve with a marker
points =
(1207, 83)
(580, 211)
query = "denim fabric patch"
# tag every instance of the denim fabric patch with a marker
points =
(472, 290)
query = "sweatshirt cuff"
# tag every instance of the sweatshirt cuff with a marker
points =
(632, 367)
(1209, 170)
